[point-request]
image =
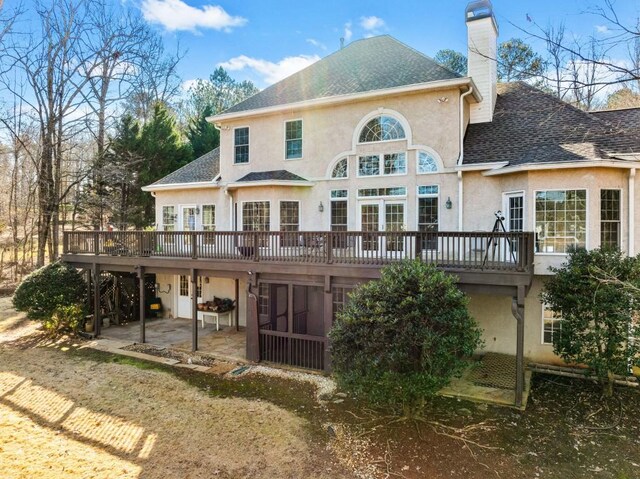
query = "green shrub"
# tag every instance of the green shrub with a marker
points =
(597, 295)
(47, 289)
(65, 319)
(401, 338)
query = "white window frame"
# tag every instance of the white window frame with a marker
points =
(333, 166)
(284, 133)
(280, 215)
(505, 207)
(559, 319)
(587, 220)
(242, 203)
(621, 215)
(202, 224)
(366, 198)
(381, 165)
(430, 195)
(248, 145)
(342, 198)
(431, 152)
(371, 116)
(196, 226)
(174, 216)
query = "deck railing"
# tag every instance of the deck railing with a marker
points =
(511, 251)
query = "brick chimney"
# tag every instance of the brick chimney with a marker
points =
(482, 46)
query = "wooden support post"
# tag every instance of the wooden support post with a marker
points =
(253, 327)
(141, 304)
(237, 298)
(517, 309)
(194, 310)
(97, 317)
(328, 321)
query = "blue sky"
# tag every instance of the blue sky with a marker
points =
(264, 40)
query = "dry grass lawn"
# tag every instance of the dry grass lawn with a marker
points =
(64, 416)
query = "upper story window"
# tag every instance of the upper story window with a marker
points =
(241, 145)
(426, 163)
(293, 139)
(561, 220)
(389, 164)
(341, 170)
(382, 128)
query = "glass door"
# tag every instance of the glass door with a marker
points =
(382, 215)
(370, 221)
(394, 222)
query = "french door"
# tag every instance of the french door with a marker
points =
(188, 220)
(513, 210)
(185, 295)
(382, 215)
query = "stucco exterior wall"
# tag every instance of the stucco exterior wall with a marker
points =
(218, 287)
(483, 195)
(493, 314)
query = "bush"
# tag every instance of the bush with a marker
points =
(403, 337)
(598, 297)
(65, 319)
(49, 288)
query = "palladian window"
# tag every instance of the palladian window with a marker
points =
(382, 128)
(340, 170)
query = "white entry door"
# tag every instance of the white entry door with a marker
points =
(185, 295)
(382, 215)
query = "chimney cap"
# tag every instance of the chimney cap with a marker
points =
(477, 10)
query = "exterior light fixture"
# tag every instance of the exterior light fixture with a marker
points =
(321, 207)
(197, 210)
(448, 204)
(443, 99)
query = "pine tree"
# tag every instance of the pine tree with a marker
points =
(202, 135)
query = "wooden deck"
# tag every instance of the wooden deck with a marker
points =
(499, 259)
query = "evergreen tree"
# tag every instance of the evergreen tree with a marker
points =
(201, 134)
(518, 61)
(163, 151)
(453, 60)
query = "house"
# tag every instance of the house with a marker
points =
(373, 154)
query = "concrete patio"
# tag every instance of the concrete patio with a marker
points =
(227, 343)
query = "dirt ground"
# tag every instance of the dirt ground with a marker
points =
(67, 412)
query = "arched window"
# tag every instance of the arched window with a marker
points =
(340, 170)
(426, 163)
(382, 128)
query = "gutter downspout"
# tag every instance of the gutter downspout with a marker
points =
(632, 194)
(227, 191)
(461, 158)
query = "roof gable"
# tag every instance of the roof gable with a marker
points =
(370, 64)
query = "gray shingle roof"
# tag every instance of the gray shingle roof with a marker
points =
(370, 64)
(622, 118)
(200, 170)
(274, 175)
(531, 126)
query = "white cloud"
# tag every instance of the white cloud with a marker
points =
(176, 15)
(602, 29)
(188, 84)
(271, 72)
(316, 43)
(372, 23)
(347, 32)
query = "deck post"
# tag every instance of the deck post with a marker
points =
(97, 320)
(237, 298)
(328, 321)
(517, 309)
(194, 310)
(253, 328)
(141, 304)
